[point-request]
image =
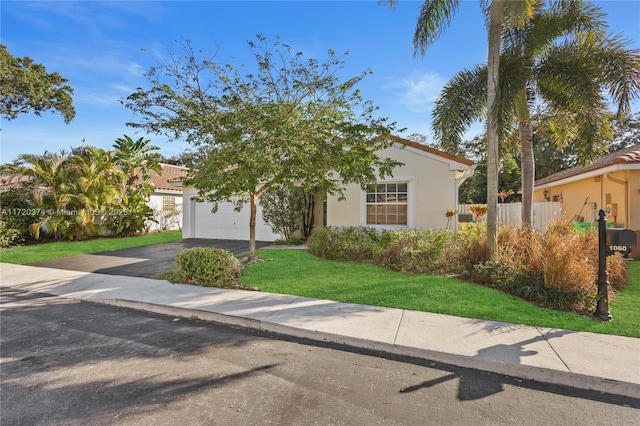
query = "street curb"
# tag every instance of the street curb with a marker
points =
(539, 374)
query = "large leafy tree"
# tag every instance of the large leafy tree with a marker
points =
(434, 17)
(288, 120)
(626, 132)
(26, 86)
(561, 58)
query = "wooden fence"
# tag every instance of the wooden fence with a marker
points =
(511, 213)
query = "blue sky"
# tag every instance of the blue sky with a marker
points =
(104, 49)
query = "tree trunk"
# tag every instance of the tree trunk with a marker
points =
(527, 162)
(308, 216)
(252, 229)
(493, 65)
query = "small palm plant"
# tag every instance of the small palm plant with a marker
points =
(478, 211)
(504, 194)
(450, 213)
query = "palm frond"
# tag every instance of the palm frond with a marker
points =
(434, 17)
(462, 100)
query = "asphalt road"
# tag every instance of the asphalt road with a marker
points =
(77, 363)
(143, 261)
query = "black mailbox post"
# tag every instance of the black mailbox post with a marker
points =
(610, 241)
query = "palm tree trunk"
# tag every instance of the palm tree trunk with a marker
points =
(527, 162)
(493, 65)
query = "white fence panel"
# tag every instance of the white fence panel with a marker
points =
(511, 213)
(544, 213)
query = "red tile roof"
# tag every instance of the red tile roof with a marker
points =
(170, 173)
(14, 181)
(629, 155)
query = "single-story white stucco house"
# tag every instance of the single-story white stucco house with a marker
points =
(416, 197)
(166, 199)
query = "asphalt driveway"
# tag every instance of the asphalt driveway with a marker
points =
(141, 261)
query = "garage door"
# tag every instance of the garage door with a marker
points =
(226, 223)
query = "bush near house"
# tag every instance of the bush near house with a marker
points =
(17, 213)
(356, 243)
(209, 267)
(556, 269)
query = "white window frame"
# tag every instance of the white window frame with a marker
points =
(166, 203)
(410, 203)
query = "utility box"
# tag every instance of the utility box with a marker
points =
(465, 217)
(620, 240)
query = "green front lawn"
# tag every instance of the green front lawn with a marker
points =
(39, 252)
(296, 272)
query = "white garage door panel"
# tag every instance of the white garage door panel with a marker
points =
(227, 224)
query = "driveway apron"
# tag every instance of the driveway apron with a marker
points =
(142, 261)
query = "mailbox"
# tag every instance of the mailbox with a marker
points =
(621, 240)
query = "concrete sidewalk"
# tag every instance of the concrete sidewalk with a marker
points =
(583, 360)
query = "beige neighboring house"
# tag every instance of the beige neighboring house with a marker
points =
(611, 183)
(416, 197)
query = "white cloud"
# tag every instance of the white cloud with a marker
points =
(418, 91)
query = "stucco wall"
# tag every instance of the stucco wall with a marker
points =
(431, 191)
(165, 221)
(621, 188)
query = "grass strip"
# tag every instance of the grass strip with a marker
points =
(298, 273)
(45, 251)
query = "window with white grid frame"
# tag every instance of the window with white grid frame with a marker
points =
(387, 203)
(168, 204)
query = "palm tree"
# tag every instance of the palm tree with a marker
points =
(51, 187)
(98, 186)
(70, 187)
(137, 161)
(136, 158)
(434, 17)
(561, 58)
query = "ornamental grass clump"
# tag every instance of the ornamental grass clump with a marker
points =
(556, 269)
(209, 267)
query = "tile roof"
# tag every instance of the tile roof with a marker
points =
(629, 155)
(170, 173)
(431, 150)
(14, 181)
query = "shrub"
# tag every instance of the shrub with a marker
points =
(413, 251)
(291, 241)
(618, 272)
(556, 269)
(9, 236)
(282, 208)
(567, 264)
(318, 242)
(211, 267)
(18, 213)
(344, 243)
(468, 247)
